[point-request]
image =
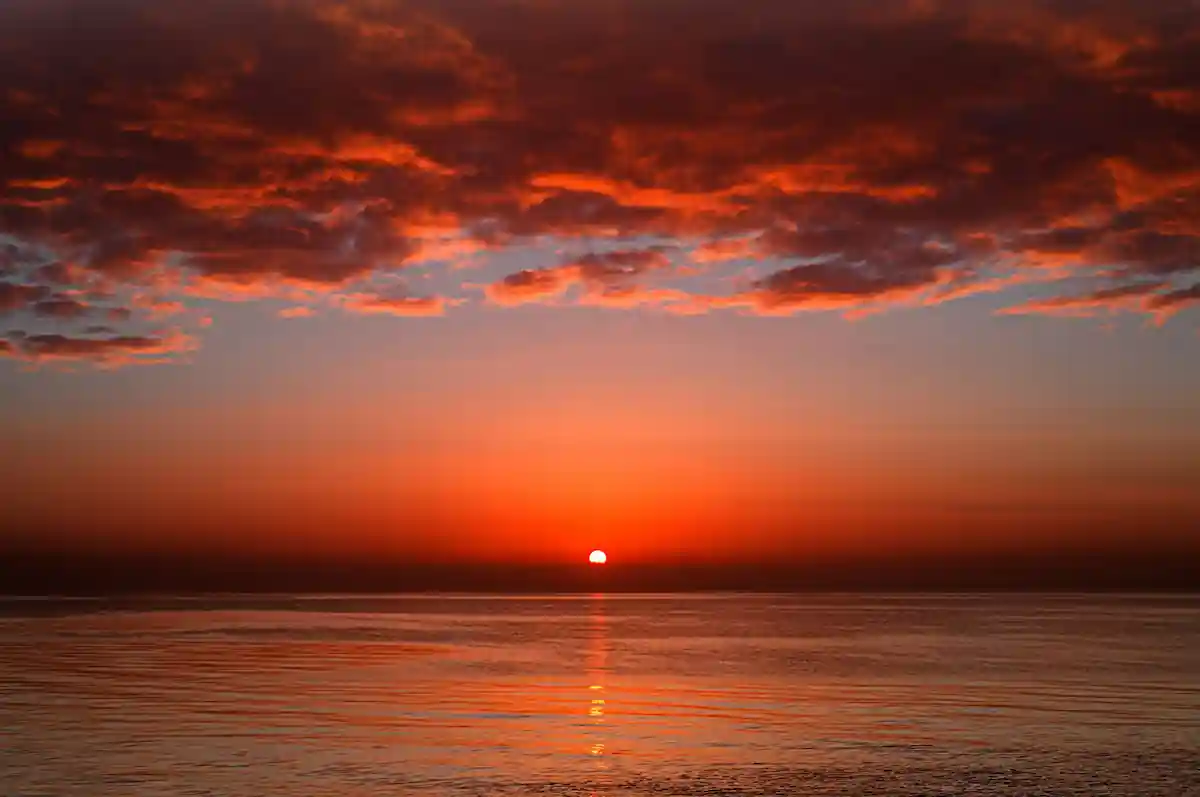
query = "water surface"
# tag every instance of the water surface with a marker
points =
(604, 695)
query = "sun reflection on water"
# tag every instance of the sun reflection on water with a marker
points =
(596, 672)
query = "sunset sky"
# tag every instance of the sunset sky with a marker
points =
(510, 280)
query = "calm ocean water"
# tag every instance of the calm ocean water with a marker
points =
(603, 695)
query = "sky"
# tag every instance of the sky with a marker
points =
(509, 280)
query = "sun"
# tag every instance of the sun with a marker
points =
(597, 557)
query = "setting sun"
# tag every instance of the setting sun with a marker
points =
(597, 557)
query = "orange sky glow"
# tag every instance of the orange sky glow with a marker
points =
(511, 281)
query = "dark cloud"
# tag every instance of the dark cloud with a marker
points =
(1156, 252)
(1142, 297)
(1174, 301)
(15, 259)
(862, 153)
(56, 273)
(621, 265)
(60, 307)
(114, 350)
(15, 296)
(834, 284)
(1059, 241)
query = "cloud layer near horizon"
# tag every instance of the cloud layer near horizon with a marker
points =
(767, 157)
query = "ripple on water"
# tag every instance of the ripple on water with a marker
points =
(741, 695)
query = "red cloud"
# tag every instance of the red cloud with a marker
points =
(1154, 298)
(724, 249)
(1171, 302)
(395, 304)
(1123, 298)
(633, 296)
(605, 276)
(529, 285)
(958, 150)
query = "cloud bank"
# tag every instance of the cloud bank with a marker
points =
(767, 157)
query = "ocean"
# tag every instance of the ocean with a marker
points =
(686, 694)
